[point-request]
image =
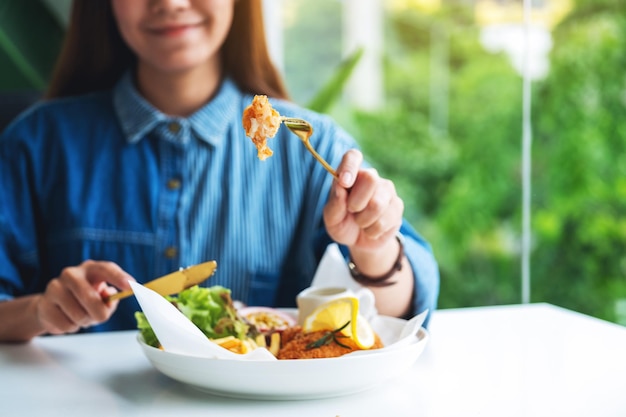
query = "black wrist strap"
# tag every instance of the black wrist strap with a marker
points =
(383, 280)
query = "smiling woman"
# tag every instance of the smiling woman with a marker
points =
(138, 165)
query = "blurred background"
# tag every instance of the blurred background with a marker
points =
(434, 92)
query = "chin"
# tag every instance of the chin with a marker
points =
(179, 66)
(187, 61)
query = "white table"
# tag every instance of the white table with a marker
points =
(534, 360)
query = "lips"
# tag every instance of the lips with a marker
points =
(174, 29)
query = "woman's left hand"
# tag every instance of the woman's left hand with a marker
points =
(363, 211)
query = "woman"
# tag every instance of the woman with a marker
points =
(138, 165)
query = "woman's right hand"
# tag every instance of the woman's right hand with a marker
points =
(74, 300)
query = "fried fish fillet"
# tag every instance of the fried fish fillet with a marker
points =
(295, 345)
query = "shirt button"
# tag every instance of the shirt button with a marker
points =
(171, 252)
(173, 184)
(173, 127)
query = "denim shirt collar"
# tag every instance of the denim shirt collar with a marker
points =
(138, 117)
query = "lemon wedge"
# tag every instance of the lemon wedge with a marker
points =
(336, 313)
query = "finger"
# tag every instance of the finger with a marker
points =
(77, 282)
(56, 322)
(63, 312)
(363, 190)
(109, 272)
(349, 168)
(383, 212)
(387, 224)
(336, 209)
(338, 221)
(106, 292)
(379, 203)
(84, 287)
(51, 317)
(99, 274)
(76, 314)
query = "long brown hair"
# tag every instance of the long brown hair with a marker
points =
(94, 55)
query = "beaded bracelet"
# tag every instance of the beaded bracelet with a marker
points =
(383, 280)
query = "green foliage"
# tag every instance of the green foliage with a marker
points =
(462, 189)
(30, 38)
(331, 91)
(580, 164)
(312, 35)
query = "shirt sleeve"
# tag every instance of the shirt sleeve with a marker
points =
(425, 271)
(8, 271)
(17, 232)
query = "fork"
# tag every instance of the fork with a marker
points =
(303, 129)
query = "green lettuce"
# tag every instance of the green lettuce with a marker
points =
(211, 309)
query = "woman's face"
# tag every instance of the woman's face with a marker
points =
(174, 35)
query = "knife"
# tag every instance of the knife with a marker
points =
(175, 282)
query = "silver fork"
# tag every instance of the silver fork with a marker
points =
(303, 129)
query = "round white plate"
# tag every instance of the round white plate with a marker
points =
(298, 378)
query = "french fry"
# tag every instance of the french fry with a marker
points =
(260, 340)
(236, 345)
(250, 345)
(229, 342)
(223, 339)
(274, 343)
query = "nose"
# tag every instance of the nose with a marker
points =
(161, 6)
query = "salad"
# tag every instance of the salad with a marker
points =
(212, 310)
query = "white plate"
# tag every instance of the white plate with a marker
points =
(297, 378)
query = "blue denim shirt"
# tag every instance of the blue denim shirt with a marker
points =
(106, 176)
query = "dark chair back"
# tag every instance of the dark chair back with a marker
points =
(12, 103)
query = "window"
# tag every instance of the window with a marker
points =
(449, 131)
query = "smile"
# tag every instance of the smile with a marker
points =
(174, 30)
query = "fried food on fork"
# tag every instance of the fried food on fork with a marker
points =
(260, 122)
